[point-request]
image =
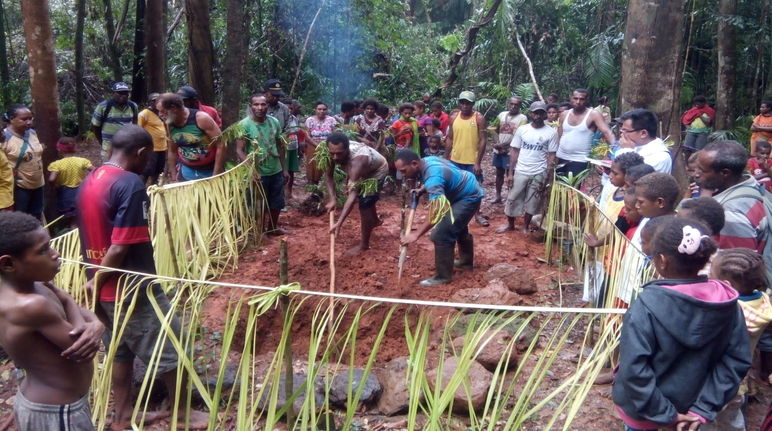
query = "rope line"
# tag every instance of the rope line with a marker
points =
(400, 301)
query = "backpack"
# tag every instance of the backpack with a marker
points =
(109, 107)
(764, 230)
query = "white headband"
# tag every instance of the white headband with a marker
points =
(691, 240)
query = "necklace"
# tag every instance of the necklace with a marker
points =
(114, 165)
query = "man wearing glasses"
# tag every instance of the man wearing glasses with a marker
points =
(639, 134)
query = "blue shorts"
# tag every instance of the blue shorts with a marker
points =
(189, 174)
(65, 200)
(468, 168)
(501, 160)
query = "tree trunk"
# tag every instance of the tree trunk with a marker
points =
(237, 24)
(112, 46)
(138, 87)
(200, 49)
(651, 61)
(155, 68)
(5, 76)
(80, 106)
(42, 75)
(726, 65)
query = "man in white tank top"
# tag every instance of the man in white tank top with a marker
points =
(360, 162)
(575, 132)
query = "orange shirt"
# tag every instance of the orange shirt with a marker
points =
(763, 121)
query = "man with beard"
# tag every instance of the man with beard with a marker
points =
(194, 139)
(509, 122)
(575, 132)
(112, 114)
(263, 134)
(361, 163)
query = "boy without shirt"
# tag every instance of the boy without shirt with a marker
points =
(44, 331)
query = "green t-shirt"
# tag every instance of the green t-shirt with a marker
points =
(267, 136)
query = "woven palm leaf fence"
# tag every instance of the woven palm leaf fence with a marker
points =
(550, 357)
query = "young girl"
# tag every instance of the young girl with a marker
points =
(759, 165)
(684, 347)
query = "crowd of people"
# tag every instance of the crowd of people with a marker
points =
(688, 338)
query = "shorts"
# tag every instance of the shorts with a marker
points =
(501, 160)
(468, 168)
(566, 166)
(142, 331)
(273, 186)
(156, 162)
(525, 194)
(370, 200)
(448, 233)
(695, 141)
(28, 201)
(32, 416)
(293, 161)
(65, 200)
(189, 174)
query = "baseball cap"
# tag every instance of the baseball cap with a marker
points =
(466, 95)
(274, 86)
(120, 86)
(538, 106)
(153, 96)
(187, 92)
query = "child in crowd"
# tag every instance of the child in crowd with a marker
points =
(433, 129)
(628, 219)
(44, 331)
(635, 173)
(66, 174)
(684, 348)
(744, 270)
(435, 147)
(656, 194)
(648, 231)
(706, 210)
(759, 165)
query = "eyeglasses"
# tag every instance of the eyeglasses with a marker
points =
(629, 131)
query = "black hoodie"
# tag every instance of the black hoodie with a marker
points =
(684, 347)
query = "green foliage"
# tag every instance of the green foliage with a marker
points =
(450, 42)
(740, 132)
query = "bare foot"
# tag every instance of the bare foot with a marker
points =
(505, 228)
(356, 250)
(605, 378)
(148, 418)
(197, 420)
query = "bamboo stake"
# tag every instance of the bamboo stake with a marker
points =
(288, 373)
(530, 66)
(332, 269)
(408, 228)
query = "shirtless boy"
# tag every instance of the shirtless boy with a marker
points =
(44, 331)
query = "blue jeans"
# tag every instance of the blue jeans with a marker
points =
(627, 428)
(447, 233)
(28, 201)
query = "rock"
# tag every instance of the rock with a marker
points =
(298, 379)
(494, 293)
(478, 379)
(339, 390)
(494, 351)
(395, 396)
(515, 278)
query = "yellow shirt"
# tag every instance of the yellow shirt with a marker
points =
(149, 121)
(29, 175)
(6, 182)
(466, 140)
(70, 171)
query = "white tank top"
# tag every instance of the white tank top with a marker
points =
(576, 140)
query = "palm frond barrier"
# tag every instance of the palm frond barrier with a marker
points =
(612, 272)
(550, 356)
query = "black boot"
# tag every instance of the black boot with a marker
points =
(465, 253)
(443, 262)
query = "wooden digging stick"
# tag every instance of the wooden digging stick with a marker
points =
(408, 228)
(332, 269)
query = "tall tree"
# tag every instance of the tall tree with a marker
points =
(726, 64)
(5, 76)
(155, 51)
(42, 74)
(80, 105)
(139, 92)
(651, 60)
(237, 37)
(112, 46)
(200, 49)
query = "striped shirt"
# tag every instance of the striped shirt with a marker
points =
(743, 211)
(116, 118)
(441, 177)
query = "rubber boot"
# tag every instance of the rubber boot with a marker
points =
(465, 253)
(443, 262)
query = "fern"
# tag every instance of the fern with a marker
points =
(601, 69)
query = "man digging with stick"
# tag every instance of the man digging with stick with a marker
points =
(366, 170)
(454, 198)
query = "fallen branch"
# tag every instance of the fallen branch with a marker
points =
(305, 47)
(175, 23)
(471, 36)
(530, 66)
(121, 22)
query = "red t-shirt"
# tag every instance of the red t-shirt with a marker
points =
(212, 113)
(444, 121)
(112, 209)
(756, 168)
